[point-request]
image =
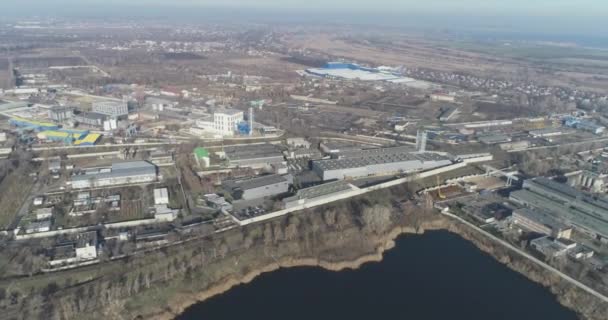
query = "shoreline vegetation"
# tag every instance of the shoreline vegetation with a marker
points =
(163, 283)
(566, 294)
(231, 282)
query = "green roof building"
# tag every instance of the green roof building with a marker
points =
(201, 154)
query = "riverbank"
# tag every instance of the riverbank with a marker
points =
(344, 235)
(182, 302)
(568, 295)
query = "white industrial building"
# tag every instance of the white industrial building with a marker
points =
(588, 180)
(43, 213)
(551, 247)
(443, 97)
(225, 121)
(161, 196)
(119, 173)
(546, 132)
(223, 124)
(111, 108)
(377, 162)
(298, 143)
(159, 104)
(258, 187)
(540, 221)
(38, 226)
(354, 74)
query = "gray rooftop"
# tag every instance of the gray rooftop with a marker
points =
(565, 212)
(375, 151)
(92, 115)
(320, 190)
(494, 138)
(378, 156)
(542, 217)
(343, 146)
(157, 100)
(592, 204)
(118, 169)
(229, 111)
(546, 131)
(39, 224)
(256, 182)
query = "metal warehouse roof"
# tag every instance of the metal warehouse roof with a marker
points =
(256, 182)
(320, 190)
(118, 170)
(379, 156)
(541, 216)
(567, 213)
(375, 151)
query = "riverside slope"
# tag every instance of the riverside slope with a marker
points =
(568, 295)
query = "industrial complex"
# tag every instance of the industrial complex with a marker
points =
(257, 187)
(131, 172)
(186, 147)
(566, 204)
(352, 71)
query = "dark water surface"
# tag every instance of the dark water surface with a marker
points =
(436, 276)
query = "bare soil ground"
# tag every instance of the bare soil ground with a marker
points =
(446, 56)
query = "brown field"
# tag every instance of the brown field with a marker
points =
(413, 51)
(130, 210)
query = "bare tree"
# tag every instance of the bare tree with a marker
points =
(376, 219)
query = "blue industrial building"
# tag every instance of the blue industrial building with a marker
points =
(346, 65)
(244, 128)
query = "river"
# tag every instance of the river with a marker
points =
(435, 276)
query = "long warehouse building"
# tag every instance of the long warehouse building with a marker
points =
(119, 173)
(568, 205)
(378, 162)
(254, 156)
(257, 187)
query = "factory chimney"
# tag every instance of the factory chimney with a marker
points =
(250, 121)
(421, 141)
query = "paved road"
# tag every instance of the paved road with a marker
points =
(531, 258)
(559, 145)
(25, 206)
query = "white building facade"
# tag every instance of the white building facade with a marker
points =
(111, 108)
(226, 121)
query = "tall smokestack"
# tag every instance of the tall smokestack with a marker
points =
(250, 121)
(421, 141)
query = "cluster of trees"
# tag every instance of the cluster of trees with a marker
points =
(543, 161)
(343, 229)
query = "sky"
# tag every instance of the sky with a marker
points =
(556, 8)
(563, 17)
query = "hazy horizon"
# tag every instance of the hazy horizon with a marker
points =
(541, 8)
(556, 18)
